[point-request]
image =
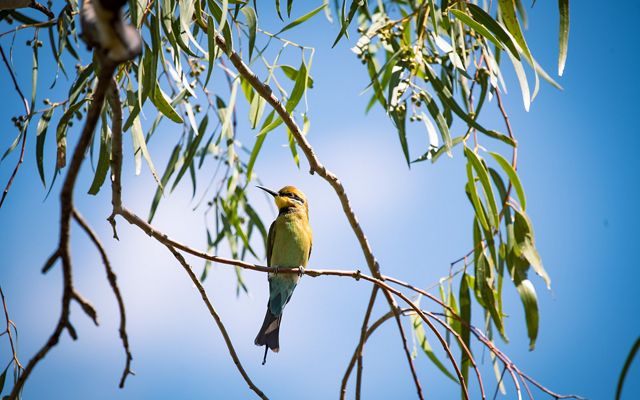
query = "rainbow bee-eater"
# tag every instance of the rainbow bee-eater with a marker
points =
(288, 246)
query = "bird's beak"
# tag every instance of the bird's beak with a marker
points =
(271, 192)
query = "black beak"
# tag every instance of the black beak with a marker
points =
(271, 192)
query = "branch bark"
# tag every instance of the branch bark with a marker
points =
(64, 252)
(315, 166)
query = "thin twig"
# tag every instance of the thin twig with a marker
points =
(14, 352)
(63, 251)
(119, 209)
(363, 333)
(23, 127)
(111, 277)
(315, 166)
(216, 317)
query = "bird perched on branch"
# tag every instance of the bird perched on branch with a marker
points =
(288, 246)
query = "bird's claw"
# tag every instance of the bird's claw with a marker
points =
(300, 271)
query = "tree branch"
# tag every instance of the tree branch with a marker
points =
(111, 277)
(23, 128)
(66, 208)
(10, 324)
(216, 317)
(315, 166)
(119, 209)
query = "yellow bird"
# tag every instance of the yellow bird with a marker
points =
(288, 246)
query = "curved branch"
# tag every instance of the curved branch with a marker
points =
(315, 166)
(118, 209)
(66, 208)
(24, 127)
(216, 317)
(111, 277)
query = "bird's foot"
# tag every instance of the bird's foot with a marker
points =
(276, 269)
(300, 271)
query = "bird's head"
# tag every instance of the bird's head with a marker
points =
(289, 196)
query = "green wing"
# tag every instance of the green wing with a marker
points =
(270, 240)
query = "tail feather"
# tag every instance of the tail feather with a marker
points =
(269, 332)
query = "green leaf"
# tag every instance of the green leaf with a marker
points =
(298, 88)
(292, 74)
(289, 5)
(623, 374)
(421, 339)
(292, 146)
(256, 109)
(191, 150)
(168, 171)
(522, 80)
(440, 121)
(525, 246)
(446, 96)
(476, 26)
(484, 284)
(475, 200)
(252, 26)
(530, 302)
(3, 377)
(513, 177)
(159, 99)
(499, 34)
(355, 4)
(61, 132)
(258, 145)
(140, 145)
(302, 19)
(211, 42)
(483, 174)
(399, 119)
(103, 159)
(563, 6)
(510, 19)
(41, 133)
(464, 299)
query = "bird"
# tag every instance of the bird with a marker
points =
(289, 244)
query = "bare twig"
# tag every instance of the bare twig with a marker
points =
(43, 9)
(119, 209)
(315, 166)
(14, 352)
(363, 332)
(111, 277)
(63, 251)
(216, 317)
(24, 127)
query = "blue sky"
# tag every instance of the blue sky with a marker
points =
(577, 161)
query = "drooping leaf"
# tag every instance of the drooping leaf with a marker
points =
(159, 99)
(421, 339)
(298, 88)
(252, 26)
(301, 19)
(103, 159)
(530, 303)
(504, 39)
(513, 177)
(464, 299)
(41, 133)
(525, 247)
(483, 175)
(627, 363)
(563, 6)
(168, 171)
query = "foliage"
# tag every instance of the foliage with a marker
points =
(437, 64)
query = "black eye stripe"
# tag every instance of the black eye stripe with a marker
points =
(292, 196)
